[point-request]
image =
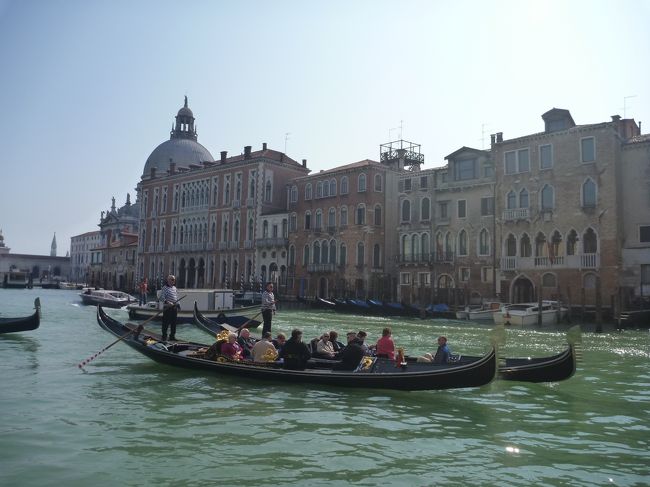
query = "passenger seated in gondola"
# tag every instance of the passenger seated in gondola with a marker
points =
(324, 347)
(442, 354)
(295, 353)
(385, 345)
(279, 341)
(351, 355)
(361, 337)
(264, 348)
(232, 349)
(246, 342)
(336, 345)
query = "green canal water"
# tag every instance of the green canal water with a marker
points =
(130, 421)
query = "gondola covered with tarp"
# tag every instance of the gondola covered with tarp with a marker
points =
(371, 373)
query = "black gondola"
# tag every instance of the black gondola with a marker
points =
(379, 374)
(212, 326)
(14, 325)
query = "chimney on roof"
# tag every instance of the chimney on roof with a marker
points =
(263, 145)
(492, 138)
(616, 118)
(247, 152)
(153, 172)
(224, 155)
(304, 163)
(172, 168)
(499, 137)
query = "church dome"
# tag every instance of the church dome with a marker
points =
(182, 152)
(182, 147)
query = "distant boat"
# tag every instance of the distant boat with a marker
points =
(483, 312)
(525, 314)
(106, 298)
(16, 279)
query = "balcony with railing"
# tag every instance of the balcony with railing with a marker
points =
(272, 242)
(581, 261)
(414, 258)
(236, 203)
(248, 244)
(513, 214)
(250, 202)
(233, 245)
(321, 267)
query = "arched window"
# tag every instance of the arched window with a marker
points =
(316, 252)
(360, 254)
(376, 256)
(378, 183)
(484, 242)
(589, 242)
(548, 197)
(326, 189)
(406, 248)
(344, 185)
(324, 252)
(523, 198)
(250, 229)
(377, 215)
(589, 193)
(511, 200)
(292, 255)
(344, 216)
(525, 247)
(267, 191)
(319, 189)
(462, 243)
(331, 218)
(343, 255)
(415, 246)
(406, 211)
(226, 194)
(555, 248)
(225, 231)
(294, 194)
(549, 280)
(449, 244)
(540, 245)
(213, 232)
(332, 187)
(237, 190)
(308, 191)
(511, 245)
(425, 243)
(305, 255)
(425, 209)
(332, 251)
(235, 236)
(361, 214)
(318, 222)
(572, 243)
(265, 229)
(362, 182)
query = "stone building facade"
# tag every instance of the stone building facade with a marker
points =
(80, 255)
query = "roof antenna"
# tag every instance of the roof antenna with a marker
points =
(286, 137)
(625, 104)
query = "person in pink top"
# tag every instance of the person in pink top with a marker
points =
(385, 345)
(232, 349)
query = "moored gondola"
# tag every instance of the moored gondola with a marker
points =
(214, 326)
(372, 373)
(15, 325)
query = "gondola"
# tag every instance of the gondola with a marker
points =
(14, 325)
(212, 326)
(373, 373)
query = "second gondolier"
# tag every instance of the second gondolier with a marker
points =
(268, 307)
(169, 297)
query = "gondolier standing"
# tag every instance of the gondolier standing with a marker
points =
(268, 307)
(169, 297)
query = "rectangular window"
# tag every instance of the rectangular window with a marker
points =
(488, 170)
(307, 221)
(545, 156)
(487, 206)
(464, 170)
(517, 161)
(442, 206)
(407, 185)
(462, 208)
(424, 279)
(423, 182)
(523, 157)
(464, 274)
(644, 234)
(405, 278)
(511, 162)
(588, 149)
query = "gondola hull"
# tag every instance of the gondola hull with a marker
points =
(231, 316)
(15, 325)
(381, 375)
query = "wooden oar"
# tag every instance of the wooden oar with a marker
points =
(90, 359)
(244, 325)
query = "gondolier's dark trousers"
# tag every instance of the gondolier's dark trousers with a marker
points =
(267, 316)
(169, 319)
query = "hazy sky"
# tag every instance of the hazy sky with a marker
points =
(89, 88)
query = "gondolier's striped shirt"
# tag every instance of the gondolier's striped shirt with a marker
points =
(169, 294)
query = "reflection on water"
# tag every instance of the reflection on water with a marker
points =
(130, 421)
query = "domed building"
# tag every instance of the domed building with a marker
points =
(182, 148)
